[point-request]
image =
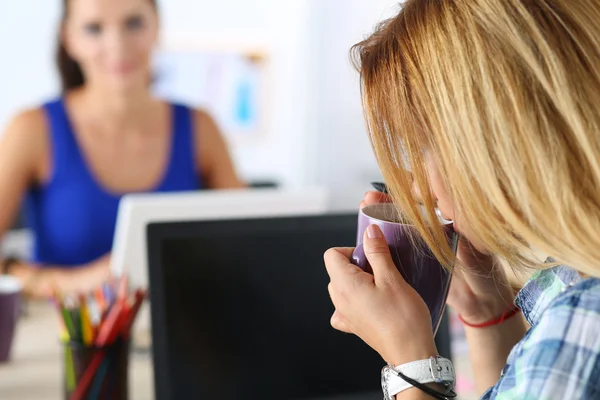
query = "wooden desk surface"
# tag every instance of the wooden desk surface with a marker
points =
(35, 370)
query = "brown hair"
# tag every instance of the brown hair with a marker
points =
(504, 95)
(71, 74)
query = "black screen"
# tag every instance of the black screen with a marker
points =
(241, 311)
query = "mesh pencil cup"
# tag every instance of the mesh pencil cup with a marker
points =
(103, 370)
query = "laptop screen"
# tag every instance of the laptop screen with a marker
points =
(241, 311)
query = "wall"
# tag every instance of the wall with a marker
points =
(281, 28)
(344, 154)
(28, 32)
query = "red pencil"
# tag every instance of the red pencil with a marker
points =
(88, 376)
(110, 326)
(133, 311)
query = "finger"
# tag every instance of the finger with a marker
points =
(337, 322)
(346, 251)
(376, 198)
(331, 293)
(338, 265)
(345, 276)
(378, 254)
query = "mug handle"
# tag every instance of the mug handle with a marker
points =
(359, 259)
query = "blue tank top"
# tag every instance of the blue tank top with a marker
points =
(72, 216)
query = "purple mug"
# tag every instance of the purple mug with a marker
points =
(415, 261)
(10, 292)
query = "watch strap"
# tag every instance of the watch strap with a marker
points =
(434, 370)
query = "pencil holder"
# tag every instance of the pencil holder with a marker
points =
(100, 371)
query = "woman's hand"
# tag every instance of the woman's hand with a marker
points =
(480, 290)
(382, 309)
(42, 282)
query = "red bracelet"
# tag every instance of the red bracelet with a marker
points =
(510, 312)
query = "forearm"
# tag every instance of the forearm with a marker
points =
(41, 282)
(489, 348)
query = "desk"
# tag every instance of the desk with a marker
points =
(35, 372)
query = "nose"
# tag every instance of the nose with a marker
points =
(116, 44)
(419, 197)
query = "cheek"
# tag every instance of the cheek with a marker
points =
(139, 51)
(143, 41)
(445, 206)
(438, 187)
(143, 47)
(88, 51)
(463, 229)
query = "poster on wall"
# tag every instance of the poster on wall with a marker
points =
(230, 84)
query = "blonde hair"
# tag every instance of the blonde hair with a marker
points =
(505, 94)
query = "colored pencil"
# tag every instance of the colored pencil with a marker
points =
(86, 324)
(97, 386)
(99, 321)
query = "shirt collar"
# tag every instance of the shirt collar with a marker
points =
(543, 287)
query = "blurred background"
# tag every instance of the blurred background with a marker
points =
(311, 129)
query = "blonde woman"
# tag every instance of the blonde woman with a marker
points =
(494, 104)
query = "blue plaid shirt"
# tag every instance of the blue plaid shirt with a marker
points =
(559, 357)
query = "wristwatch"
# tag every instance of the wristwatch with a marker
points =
(434, 370)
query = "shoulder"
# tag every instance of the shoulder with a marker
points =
(197, 115)
(204, 121)
(582, 295)
(24, 144)
(26, 130)
(30, 120)
(577, 304)
(560, 356)
(207, 133)
(573, 318)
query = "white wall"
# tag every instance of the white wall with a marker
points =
(281, 27)
(27, 43)
(344, 153)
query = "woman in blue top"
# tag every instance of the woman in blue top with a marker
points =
(73, 158)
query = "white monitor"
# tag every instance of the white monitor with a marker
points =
(136, 211)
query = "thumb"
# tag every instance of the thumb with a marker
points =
(378, 254)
